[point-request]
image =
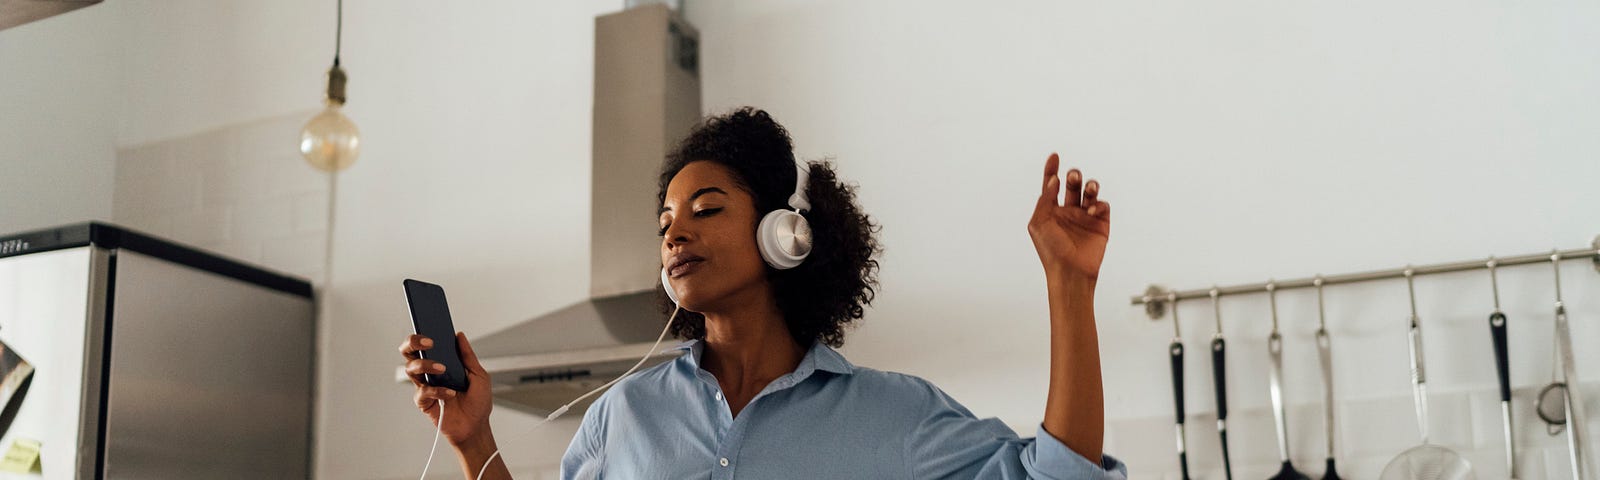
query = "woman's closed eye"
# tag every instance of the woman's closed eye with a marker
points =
(700, 213)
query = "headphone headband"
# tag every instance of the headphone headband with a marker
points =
(799, 201)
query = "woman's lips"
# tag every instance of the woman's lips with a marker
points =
(685, 267)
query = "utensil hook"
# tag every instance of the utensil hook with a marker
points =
(1494, 282)
(1272, 297)
(1216, 308)
(1172, 298)
(1411, 290)
(1555, 264)
(1322, 315)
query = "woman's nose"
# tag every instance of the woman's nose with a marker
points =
(675, 236)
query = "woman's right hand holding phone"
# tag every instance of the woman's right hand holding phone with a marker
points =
(466, 414)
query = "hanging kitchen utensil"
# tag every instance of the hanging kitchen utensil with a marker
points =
(1425, 461)
(1325, 357)
(1502, 363)
(1559, 406)
(1175, 352)
(1552, 407)
(1275, 389)
(1219, 380)
(1550, 403)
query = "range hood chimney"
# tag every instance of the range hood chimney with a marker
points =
(646, 98)
(18, 12)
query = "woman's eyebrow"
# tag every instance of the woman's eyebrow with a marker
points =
(697, 194)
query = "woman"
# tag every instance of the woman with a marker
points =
(762, 393)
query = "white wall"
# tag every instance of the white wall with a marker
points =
(193, 66)
(1237, 141)
(58, 114)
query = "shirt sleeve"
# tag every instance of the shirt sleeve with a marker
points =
(950, 442)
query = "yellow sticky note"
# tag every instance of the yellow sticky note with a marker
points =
(21, 457)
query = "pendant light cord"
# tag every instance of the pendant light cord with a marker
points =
(338, 33)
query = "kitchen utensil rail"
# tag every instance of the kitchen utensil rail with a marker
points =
(1156, 299)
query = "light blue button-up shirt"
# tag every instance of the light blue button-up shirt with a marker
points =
(827, 419)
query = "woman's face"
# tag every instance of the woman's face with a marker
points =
(708, 238)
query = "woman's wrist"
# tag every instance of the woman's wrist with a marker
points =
(481, 444)
(1067, 280)
(475, 454)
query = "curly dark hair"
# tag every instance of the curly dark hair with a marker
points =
(826, 293)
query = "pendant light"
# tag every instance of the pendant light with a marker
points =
(330, 141)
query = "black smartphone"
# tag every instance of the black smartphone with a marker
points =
(430, 317)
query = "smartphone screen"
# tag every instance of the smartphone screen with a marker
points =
(430, 317)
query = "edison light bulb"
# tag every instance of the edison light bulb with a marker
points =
(330, 141)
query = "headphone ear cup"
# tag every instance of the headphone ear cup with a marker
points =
(784, 239)
(666, 285)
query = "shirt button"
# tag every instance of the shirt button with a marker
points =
(724, 461)
(719, 398)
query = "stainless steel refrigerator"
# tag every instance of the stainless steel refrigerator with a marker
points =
(130, 356)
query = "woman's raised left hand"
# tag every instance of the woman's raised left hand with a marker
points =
(1070, 236)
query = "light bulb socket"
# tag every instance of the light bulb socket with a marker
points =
(336, 81)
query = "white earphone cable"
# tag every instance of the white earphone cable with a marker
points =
(563, 410)
(435, 447)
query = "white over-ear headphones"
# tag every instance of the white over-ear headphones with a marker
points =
(784, 236)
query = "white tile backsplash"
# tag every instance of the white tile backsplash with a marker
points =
(205, 226)
(297, 253)
(310, 212)
(263, 219)
(147, 184)
(241, 191)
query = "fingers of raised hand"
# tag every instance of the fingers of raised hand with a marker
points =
(1087, 201)
(1052, 190)
(1074, 188)
(1100, 209)
(1082, 196)
(1052, 182)
(1052, 165)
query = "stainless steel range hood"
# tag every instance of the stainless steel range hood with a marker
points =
(646, 98)
(18, 12)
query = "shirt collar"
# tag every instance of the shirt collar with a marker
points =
(819, 357)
